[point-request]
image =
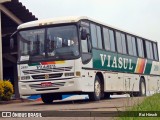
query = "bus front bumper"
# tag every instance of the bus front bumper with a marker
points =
(54, 86)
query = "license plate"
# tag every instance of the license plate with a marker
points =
(46, 84)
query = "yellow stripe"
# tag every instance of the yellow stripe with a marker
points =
(59, 62)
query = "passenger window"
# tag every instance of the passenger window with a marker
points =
(99, 37)
(155, 51)
(123, 43)
(140, 47)
(96, 36)
(130, 46)
(134, 46)
(107, 44)
(149, 49)
(132, 50)
(112, 40)
(119, 42)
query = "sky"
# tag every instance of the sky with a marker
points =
(141, 17)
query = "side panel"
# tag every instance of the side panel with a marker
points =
(131, 82)
(155, 69)
(110, 61)
(154, 84)
(109, 82)
(131, 68)
(121, 82)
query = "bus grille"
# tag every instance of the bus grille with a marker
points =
(60, 69)
(43, 76)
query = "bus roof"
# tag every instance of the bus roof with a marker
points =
(69, 19)
(51, 21)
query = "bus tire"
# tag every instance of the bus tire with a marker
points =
(47, 98)
(134, 94)
(142, 87)
(96, 95)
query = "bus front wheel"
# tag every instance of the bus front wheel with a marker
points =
(96, 95)
(47, 98)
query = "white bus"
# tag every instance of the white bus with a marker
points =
(83, 56)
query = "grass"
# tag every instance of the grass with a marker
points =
(150, 104)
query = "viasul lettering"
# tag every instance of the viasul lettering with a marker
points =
(114, 62)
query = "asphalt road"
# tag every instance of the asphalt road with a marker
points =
(113, 104)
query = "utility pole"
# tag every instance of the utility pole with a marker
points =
(1, 58)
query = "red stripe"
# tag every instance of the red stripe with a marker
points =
(39, 99)
(142, 64)
(47, 63)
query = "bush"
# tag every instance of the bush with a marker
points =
(1, 88)
(6, 90)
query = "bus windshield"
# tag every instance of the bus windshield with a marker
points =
(48, 43)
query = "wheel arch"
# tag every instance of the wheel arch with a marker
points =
(143, 78)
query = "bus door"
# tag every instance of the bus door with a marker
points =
(85, 42)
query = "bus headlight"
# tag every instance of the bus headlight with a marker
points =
(25, 77)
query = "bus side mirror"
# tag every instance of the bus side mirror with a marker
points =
(83, 34)
(11, 43)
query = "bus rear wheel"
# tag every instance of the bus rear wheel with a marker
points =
(47, 98)
(142, 87)
(96, 95)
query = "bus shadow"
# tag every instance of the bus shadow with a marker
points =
(70, 102)
(61, 102)
(76, 105)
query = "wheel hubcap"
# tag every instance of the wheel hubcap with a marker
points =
(97, 88)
